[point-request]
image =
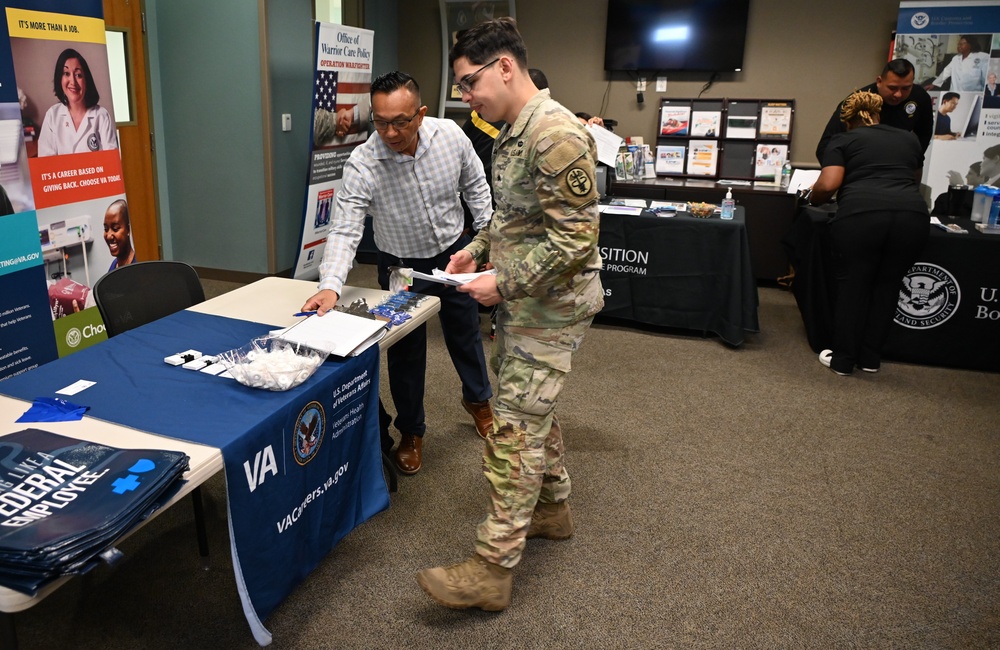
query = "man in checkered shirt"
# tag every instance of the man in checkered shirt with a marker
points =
(409, 176)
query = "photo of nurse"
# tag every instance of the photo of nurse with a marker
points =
(78, 123)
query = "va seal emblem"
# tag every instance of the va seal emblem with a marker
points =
(73, 337)
(578, 181)
(929, 296)
(309, 430)
(94, 142)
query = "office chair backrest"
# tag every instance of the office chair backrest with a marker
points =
(142, 292)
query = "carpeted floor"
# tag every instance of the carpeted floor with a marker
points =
(724, 498)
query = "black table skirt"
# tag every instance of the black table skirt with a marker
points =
(680, 272)
(958, 326)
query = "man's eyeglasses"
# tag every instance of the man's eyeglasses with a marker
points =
(399, 125)
(465, 83)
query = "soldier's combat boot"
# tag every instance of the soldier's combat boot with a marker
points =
(551, 521)
(472, 583)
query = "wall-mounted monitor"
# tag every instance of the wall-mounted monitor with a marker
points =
(703, 35)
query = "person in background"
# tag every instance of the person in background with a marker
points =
(904, 105)
(942, 128)
(78, 123)
(991, 97)
(990, 166)
(408, 175)
(542, 241)
(967, 69)
(588, 119)
(972, 178)
(880, 228)
(118, 234)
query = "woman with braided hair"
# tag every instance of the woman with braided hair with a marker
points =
(880, 227)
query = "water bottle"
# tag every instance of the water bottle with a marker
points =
(728, 205)
(981, 203)
(993, 221)
(786, 174)
(620, 164)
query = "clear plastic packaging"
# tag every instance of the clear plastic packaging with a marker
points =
(272, 364)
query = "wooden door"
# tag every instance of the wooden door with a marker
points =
(135, 137)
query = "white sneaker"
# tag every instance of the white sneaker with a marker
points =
(824, 358)
(863, 369)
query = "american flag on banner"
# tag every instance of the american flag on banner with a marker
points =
(326, 90)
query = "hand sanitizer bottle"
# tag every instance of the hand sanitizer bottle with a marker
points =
(728, 205)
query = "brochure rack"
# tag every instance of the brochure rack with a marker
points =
(740, 139)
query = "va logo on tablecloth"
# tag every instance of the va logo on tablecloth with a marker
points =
(929, 296)
(309, 430)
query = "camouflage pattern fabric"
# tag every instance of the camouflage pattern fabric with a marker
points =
(524, 457)
(542, 238)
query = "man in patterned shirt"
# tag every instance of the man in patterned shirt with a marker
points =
(408, 176)
(542, 241)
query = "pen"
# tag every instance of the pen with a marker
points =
(303, 313)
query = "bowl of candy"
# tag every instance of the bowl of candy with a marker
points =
(701, 210)
(272, 364)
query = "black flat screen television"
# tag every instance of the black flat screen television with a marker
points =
(670, 35)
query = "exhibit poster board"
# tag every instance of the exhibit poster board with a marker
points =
(341, 112)
(955, 50)
(457, 16)
(63, 214)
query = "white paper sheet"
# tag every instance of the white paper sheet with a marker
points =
(801, 179)
(335, 332)
(453, 279)
(607, 144)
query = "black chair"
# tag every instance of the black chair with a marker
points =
(140, 293)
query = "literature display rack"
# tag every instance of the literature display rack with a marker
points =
(740, 139)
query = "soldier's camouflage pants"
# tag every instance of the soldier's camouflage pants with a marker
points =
(523, 461)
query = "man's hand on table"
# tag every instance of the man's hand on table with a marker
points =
(322, 302)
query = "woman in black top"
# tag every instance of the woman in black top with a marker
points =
(880, 228)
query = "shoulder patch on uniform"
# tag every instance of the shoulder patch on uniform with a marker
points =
(559, 157)
(579, 181)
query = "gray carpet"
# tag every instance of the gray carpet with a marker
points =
(724, 498)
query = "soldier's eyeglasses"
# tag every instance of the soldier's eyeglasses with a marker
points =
(465, 83)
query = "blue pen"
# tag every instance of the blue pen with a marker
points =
(303, 313)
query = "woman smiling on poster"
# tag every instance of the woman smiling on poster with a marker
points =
(77, 124)
(118, 234)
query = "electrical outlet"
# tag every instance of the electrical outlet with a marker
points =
(286, 121)
(640, 86)
(661, 84)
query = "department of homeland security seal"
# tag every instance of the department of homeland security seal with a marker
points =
(910, 108)
(920, 20)
(310, 428)
(929, 296)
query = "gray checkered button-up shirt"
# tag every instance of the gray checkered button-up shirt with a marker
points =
(414, 200)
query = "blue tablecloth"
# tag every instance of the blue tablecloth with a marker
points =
(303, 467)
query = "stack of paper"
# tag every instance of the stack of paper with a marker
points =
(336, 333)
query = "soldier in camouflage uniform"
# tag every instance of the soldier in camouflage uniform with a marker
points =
(542, 241)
